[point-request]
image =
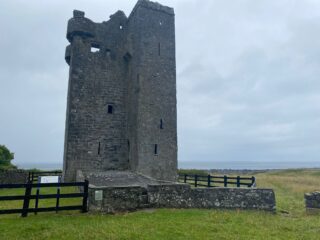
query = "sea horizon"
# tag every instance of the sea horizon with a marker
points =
(233, 165)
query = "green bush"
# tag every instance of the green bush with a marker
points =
(5, 158)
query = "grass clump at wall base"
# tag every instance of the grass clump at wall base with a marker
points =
(290, 221)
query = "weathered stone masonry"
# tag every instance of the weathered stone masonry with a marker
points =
(13, 176)
(121, 110)
(117, 199)
(121, 131)
(312, 201)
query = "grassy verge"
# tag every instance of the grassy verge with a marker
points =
(290, 221)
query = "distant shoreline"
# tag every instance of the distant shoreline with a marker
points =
(255, 171)
(218, 167)
(248, 165)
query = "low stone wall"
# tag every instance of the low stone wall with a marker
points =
(228, 198)
(13, 176)
(312, 201)
(118, 199)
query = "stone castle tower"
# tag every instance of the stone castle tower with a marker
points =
(121, 108)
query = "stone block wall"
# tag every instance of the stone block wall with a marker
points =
(180, 196)
(13, 176)
(118, 199)
(312, 201)
(152, 110)
(121, 107)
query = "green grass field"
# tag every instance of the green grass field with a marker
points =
(290, 221)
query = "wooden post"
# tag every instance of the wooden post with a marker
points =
(225, 180)
(26, 200)
(37, 196)
(253, 181)
(58, 195)
(238, 181)
(85, 196)
(209, 180)
(195, 180)
(185, 178)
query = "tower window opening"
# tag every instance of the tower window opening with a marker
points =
(120, 27)
(161, 123)
(159, 49)
(160, 23)
(155, 149)
(137, 84)
(110, 109)
(99, 148)
(94, 49)
(108, 52)
(127, 57)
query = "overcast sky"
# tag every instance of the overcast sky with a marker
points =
(247, 75)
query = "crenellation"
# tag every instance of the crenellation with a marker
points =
(78, 14)
(155, 6)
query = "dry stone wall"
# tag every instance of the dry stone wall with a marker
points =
(13, 176)
(180, 196)
(312, 201)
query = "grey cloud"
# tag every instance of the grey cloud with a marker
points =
(247, 77)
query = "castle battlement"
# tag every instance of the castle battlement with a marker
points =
(152, 6)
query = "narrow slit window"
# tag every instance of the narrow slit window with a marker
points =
(155, 149)
(127, 57)
(137, 85)
(108, 52)
(120, 27)
(161, 124)
(159, 49)
(110, 109)
(99, 148)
